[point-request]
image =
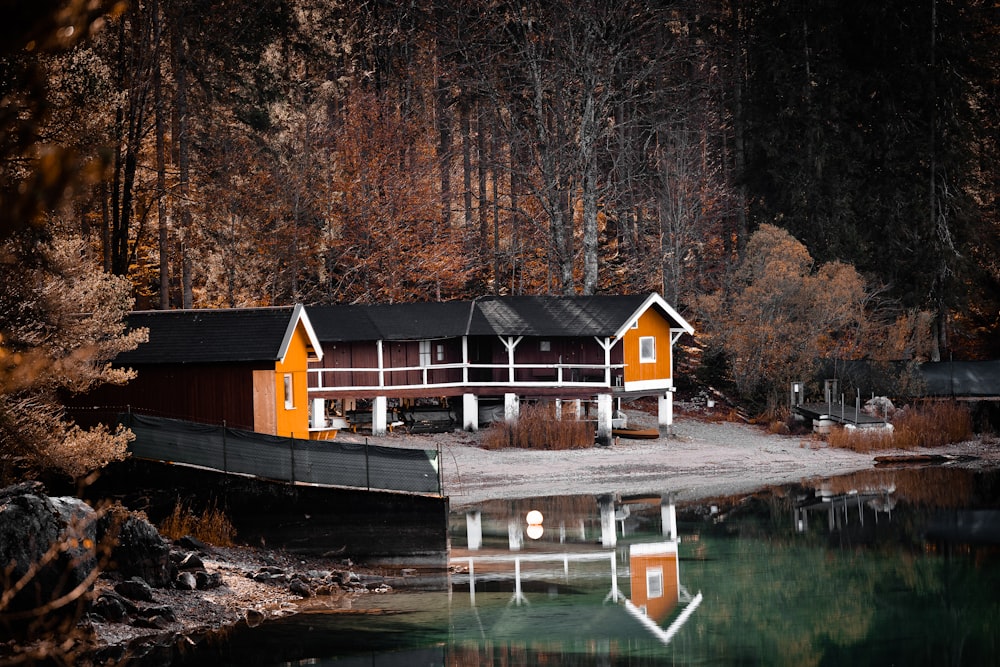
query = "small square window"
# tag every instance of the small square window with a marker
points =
(654, 582)
(647, 349)
(544, 346)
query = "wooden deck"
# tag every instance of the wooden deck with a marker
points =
(838, 414)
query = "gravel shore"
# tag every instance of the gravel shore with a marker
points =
(702, 458)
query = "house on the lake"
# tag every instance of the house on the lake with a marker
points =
(244, 368)
(578, 349)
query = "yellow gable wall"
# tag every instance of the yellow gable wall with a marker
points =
(651, 323)
(294, 421)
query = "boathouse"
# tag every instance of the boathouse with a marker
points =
(578, 349)
(242, 368)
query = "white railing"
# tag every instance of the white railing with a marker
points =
(546, 375)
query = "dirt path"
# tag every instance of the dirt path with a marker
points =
(701, 459)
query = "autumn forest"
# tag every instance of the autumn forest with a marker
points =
(821, 176)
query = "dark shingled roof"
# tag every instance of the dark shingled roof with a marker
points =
(401, 321)
(553, 316)
(204, 336)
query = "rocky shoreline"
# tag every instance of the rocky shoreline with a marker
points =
(242, 585)
(104, 587)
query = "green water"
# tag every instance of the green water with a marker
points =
(894, 568)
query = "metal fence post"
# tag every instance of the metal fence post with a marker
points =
(291, 452)
(225, 463)
(368, 476)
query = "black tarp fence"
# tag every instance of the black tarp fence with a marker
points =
(325, 462)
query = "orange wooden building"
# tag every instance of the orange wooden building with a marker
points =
(562, 348)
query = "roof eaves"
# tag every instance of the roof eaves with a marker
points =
(678, 324)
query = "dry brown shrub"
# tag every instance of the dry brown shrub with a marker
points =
(538, 428)
(211, 527)
(927, 425)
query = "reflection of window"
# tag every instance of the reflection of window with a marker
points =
(544, 346)
(425, 353)
(654, 582)
(289, 397)
(647, 349)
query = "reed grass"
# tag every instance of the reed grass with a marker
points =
(931, 424)
(538, 428)
(212, 526)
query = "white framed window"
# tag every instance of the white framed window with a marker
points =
(654, 582)
(647, 349)
(635, 325)
(544, 346)
(425, 353)
(439, 354)
(289, 392)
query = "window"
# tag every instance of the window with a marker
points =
(440, 352)
(289, 396)
(425, 353)
(647, 349)
(654, 582)
(635, 325)
(544, 346)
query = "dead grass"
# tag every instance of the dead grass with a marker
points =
(538, 428)
(211, 527)
(923, 425)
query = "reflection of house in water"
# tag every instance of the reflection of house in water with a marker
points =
(839, 507)
(539, 576)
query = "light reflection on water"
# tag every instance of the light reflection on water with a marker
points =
(884, 567)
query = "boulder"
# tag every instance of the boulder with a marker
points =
(208, 580)
(186, 581)
(139, 549)
(299, 587)
(135, 589)
(30, 525)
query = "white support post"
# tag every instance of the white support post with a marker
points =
(474, 529)
(381, 363)
(470, 412)
(465, 360)
(604, 413)
(665, 410)
(668, 516)
(379, 406)
(511, 407)
(559, 409)
(317, 416)
(609, 529)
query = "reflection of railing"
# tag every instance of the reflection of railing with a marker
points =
(563, 557)
(465, 375)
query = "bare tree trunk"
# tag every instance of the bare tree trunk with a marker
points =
(182, 141)
(161, 167)
(588, 138)
(466, 128)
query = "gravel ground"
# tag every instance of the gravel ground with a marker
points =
(702, 458)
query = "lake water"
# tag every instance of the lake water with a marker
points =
(886, 567)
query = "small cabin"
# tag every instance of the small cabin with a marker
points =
(244, 368)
